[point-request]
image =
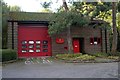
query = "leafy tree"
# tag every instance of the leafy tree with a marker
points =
(63, 21)
(118, 26)
(5, 15)
(118, 6)
(15, 8)
(46, 6)
(99, 10)
(0, 25)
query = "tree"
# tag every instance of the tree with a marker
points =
(69, 40)
(114, 42)
(15, 8)
(46, 6)
(63, 21)
(98, 10)
(118, 6)
(118, 27)
(5, 15)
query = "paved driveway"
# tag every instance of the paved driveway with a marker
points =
(60, 70)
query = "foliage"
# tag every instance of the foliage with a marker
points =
(15, 8)
(118, 27)
(80, 57)
(46, 6)
(118, 6)
(105, 55)
(5, 15)
(116, 54)
(113, 57)
(100, 54)
(68, 55)
(8, 54)
(94, 10)
(62, 20)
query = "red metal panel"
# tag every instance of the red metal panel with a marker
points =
(76, 45)
(34, 33)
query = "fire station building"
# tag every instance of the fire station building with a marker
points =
(28, 35)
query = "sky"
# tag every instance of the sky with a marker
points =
(33, 5)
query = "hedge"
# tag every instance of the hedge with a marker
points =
(8, 54)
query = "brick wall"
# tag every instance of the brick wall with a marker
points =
(59, 48)
(86, 33)
(9, 44)
(12, 43)
(76, 32)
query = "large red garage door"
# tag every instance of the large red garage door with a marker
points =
(33, 41)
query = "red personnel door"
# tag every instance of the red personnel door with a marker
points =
(76, 45)
(33, 41)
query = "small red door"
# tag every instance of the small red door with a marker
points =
(76, 45)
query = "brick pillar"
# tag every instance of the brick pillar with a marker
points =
(9, 44)
(15, 35)
(103, 41)
(108, 42)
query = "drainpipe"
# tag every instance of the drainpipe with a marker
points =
(12, 35)
(101, 40)
(105, 40)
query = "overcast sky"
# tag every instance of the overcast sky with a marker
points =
(34, 5)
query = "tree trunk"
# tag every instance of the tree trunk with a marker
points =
(69, 40)
(114, 42)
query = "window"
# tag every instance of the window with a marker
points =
(31, 42)
(31, 50)
(24, 42)
(24, 46)
(37, 50)
(95, 41)
(45, 46)
(37, 46)
(45, 50)
(23, 51)
(45, 42)
(31, 46)
(37, 42)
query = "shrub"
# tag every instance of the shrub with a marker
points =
(75, 57)
(8, 54)
(100, 54)
(113, 57)
(86, 57)
(68, 55)
(116, 54)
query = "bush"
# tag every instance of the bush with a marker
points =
(113, 57)
(86, 57)
(115, 54)
(68, 55)
(75, 57)
(8, 54)
(100, 54)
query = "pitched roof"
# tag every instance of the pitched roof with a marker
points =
(29, 16)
